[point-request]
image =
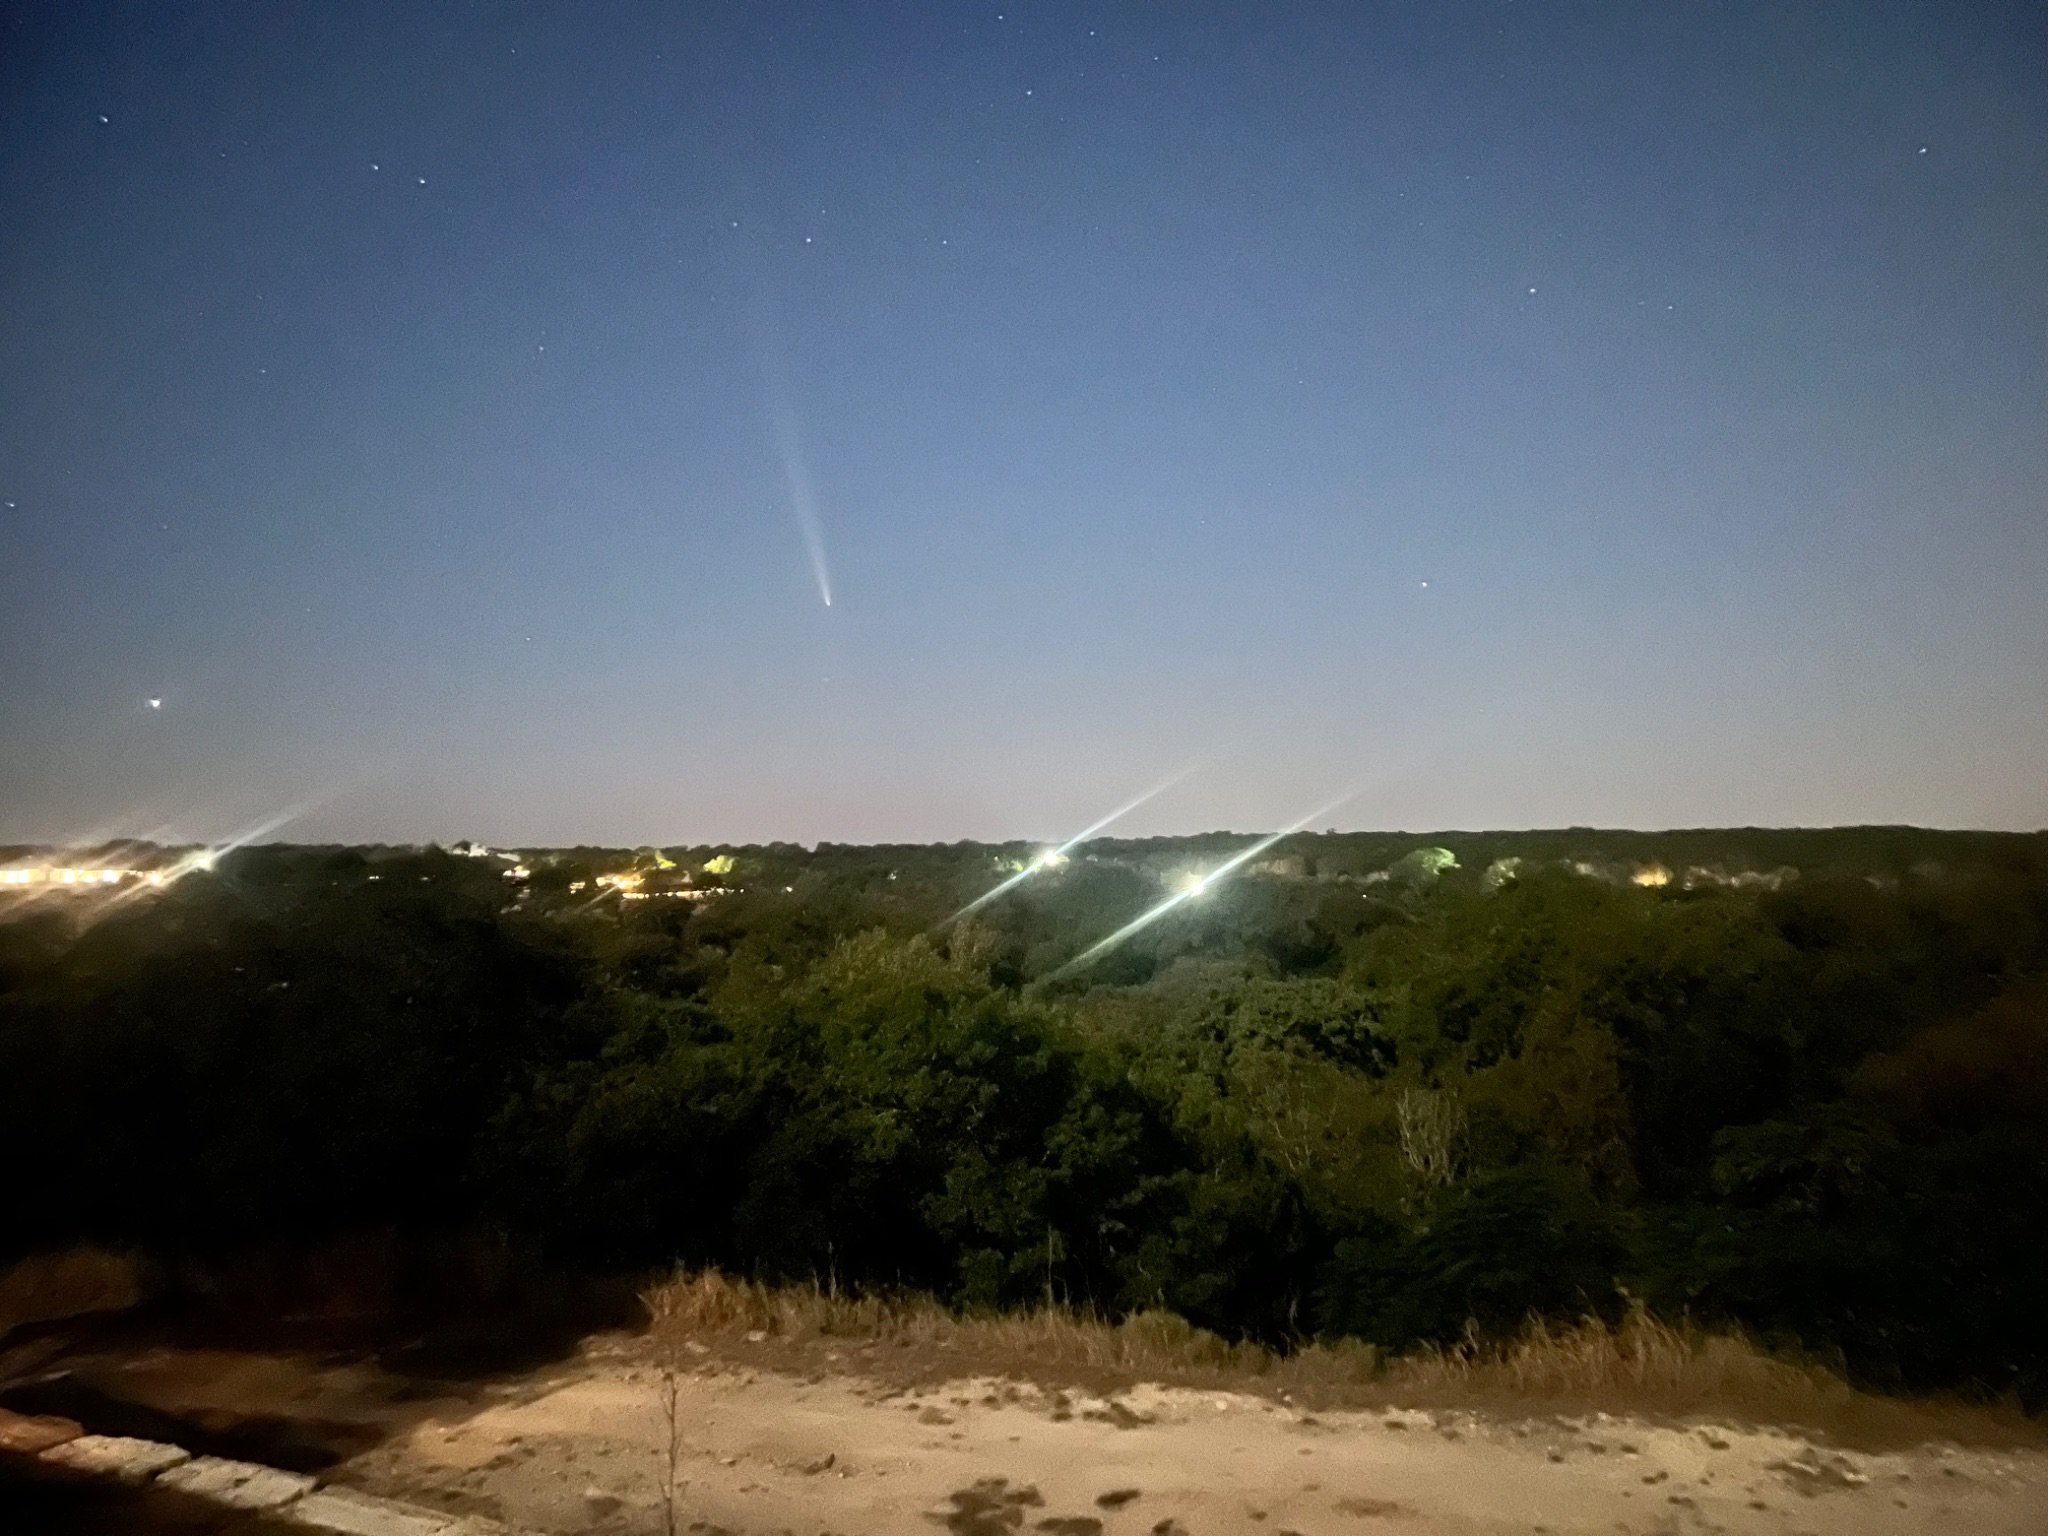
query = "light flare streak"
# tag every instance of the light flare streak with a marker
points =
(1054, 856)
(1194, 888)
(119, 888)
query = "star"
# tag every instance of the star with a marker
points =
(156, 703)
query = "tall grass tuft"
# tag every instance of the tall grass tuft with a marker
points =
(1643, 1364)
(710, 1305)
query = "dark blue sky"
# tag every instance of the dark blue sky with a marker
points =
(1522, 413)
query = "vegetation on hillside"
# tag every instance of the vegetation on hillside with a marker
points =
(1370, 1087)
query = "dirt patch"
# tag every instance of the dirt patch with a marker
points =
(75, 1283)
(1026, 1427)
(1643, 1366)
(775, 1436)
(764, 1450)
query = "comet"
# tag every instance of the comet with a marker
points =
(803, 499)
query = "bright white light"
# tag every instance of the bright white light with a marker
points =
(1187, 892)
(1057, 856)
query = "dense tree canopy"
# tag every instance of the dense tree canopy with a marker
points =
(1374, 1085)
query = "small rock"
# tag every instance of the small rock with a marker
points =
(132, 1461)
(341, 1513)
(30, 1435)
(988, 1507)
(237, 1484)
(1116, 1498)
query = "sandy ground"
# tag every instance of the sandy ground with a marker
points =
(819, 1443)
(761, 1451)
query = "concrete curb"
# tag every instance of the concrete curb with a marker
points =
(248, 1486)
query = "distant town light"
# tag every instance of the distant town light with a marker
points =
(66, 877)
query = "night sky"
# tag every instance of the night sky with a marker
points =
(455, 416)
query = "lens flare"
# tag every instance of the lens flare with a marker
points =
(1053, 857)
(1194, 886)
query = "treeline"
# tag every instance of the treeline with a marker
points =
(1373, 1086)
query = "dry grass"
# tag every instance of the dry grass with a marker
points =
(1644, 1360)
(1641, 1357)
(59, 1285)
(708, 1305)
(1643, 1366)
